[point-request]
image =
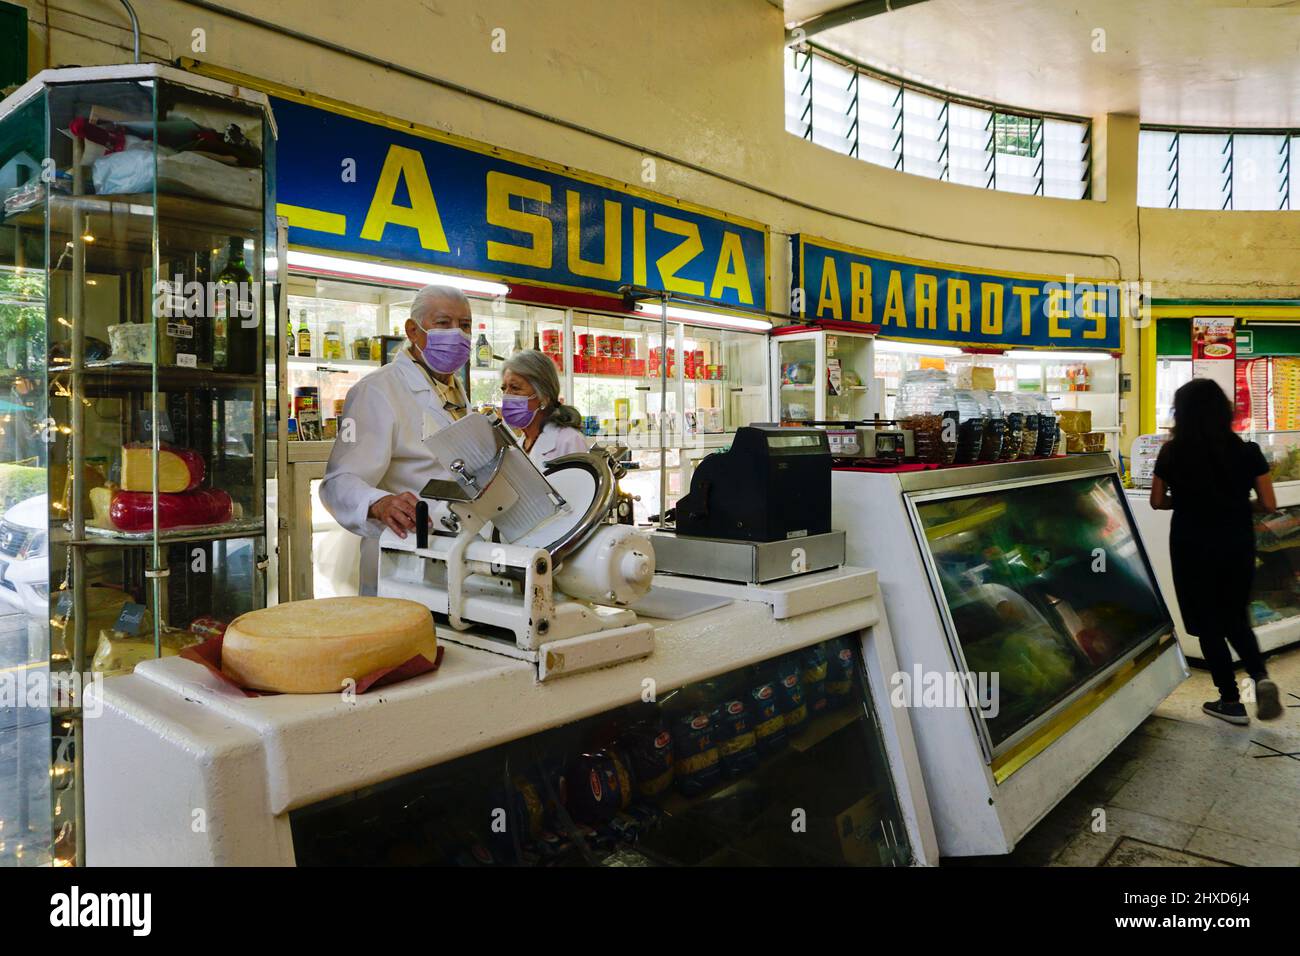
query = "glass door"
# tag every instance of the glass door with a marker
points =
(1045, 585)
(850, 372)
(795, 377)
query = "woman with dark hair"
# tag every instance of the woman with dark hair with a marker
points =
(1205, 473)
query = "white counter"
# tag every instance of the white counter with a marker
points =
(182, 770)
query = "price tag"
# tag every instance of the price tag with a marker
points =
(186, 360)
(164, 428)
(129, 621)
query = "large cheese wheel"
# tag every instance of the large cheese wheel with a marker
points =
(312, 647)
(179, 469)
(132, 511)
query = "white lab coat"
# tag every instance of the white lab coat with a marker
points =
(390, 412)
(554, 441)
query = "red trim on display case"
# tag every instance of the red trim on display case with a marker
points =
(564, 299)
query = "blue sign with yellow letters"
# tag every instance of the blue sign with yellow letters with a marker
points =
(350, 186)
(950, 305)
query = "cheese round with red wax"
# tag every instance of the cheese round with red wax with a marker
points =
(315, 647)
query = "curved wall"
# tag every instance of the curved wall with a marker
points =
(699, 83)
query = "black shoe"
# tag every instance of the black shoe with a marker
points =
(1233, 713)
(1267, 705)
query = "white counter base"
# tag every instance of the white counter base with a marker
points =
(180, 769)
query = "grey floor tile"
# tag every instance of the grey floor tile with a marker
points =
(1269, 813)
(1138, 853)
(1201, 731)
(1121, 821)
(1240, 850)
(1182, 794)
(1086, 849)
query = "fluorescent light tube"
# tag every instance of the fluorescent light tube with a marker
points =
(377, 270)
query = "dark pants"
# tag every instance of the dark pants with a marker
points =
(1214, 566)
(1214, 646)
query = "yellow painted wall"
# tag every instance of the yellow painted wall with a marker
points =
(693, 84)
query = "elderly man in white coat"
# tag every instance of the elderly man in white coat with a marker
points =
(379, 462)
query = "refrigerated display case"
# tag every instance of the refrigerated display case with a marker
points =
(134, 255)
(823, 374)
(1030, 574)
(1275, 593)
(750, 736)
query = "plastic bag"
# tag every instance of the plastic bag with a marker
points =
(192, 174)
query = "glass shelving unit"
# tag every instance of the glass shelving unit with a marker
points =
(133, 257)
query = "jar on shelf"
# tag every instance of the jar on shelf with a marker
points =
(970, 426)
(1014, 415)
(1029, 429)
(1048, 428)
(926, 401)
(995, 427)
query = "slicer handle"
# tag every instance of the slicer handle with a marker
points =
(422, 524)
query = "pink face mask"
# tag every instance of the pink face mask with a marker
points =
(515, 410)
(446, 350)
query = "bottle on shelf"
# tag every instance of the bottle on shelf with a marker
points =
(187, 323)
(233, 302)
(332, 342)
(304, 334)
(482, 348)
(290, 340)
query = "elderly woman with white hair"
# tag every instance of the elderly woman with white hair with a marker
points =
(531, 403)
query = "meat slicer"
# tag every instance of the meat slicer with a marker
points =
(529, 565)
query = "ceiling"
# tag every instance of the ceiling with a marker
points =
(1178, 62)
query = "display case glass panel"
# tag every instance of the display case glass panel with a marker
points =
(503, 328)
(1275, 591)
(711, 775)
(134, 236)
(1282, 452)
(796, 385)
(849, 372)
(31, 777)
(1046, 585)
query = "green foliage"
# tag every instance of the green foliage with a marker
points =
(22, 318)
(20, 482)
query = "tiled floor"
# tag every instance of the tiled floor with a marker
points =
(1185, 789)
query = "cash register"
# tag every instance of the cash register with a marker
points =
(756, 512)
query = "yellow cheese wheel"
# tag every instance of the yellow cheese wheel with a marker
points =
(313, 647)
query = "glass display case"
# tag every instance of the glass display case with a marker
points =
(822, 375)
(710, 775)
(1045, 585)
(1282, 452)
(1275, 593)
(133, 252)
